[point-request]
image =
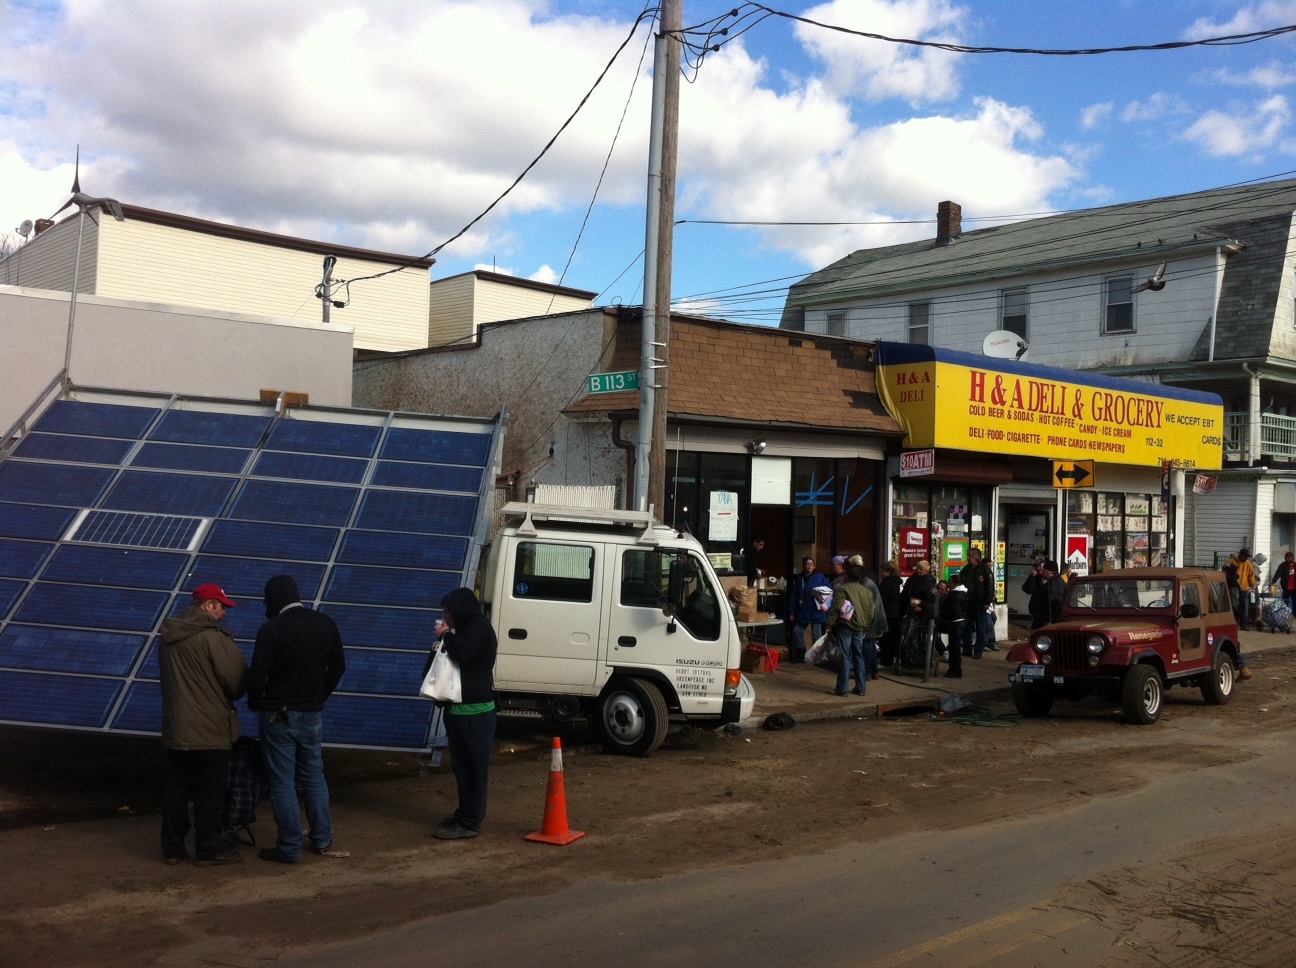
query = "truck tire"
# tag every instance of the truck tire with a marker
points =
(633, 717)
(1142, 695)
(1217, 685)
(1032, 701)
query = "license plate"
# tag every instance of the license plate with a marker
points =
(1031, 672)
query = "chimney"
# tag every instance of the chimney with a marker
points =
(949, 222)
(42, 224)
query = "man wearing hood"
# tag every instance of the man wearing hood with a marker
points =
(202, 673)
(469, 641)
(297, 663)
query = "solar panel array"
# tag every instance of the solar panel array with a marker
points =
(114, 507)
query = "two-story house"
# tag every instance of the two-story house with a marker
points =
(1193, 291)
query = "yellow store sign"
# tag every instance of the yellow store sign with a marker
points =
(968, 402)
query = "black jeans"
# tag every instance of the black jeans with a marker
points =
(196, 776)
(470, 739)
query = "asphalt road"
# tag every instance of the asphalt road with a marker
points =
(991, 894)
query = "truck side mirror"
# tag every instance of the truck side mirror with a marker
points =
(675, 584)
(1189, 610)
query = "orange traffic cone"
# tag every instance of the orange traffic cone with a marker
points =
(554, 829)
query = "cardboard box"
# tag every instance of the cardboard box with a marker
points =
(751, 615)
(759, 659)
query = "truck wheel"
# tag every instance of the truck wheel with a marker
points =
(1217, 685)
(1032, 701)
(1141, 695)
(633, 717)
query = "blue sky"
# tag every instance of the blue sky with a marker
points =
(390, 125)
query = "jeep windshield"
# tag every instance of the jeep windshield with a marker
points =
(1118, 594)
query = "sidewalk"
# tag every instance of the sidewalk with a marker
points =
(803, 690)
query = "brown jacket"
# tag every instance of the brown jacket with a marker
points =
(203, 672)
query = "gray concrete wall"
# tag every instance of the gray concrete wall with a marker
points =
(534, 368)
(170, 349)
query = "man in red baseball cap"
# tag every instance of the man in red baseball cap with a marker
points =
(202, 673)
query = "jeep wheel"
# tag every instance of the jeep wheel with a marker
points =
(1217, 685)
(1032, 701)
(1141, 695)
(633, 717)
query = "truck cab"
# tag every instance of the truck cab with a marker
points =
(608, 616)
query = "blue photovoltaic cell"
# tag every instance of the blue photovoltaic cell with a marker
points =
(247, 576)
(256, 540)
(116, 566)
(205, 427)
(384, 628)
(280, 502)
(137, 530)
(88, 606)
(79, 450)
(311, 467)
(9, 592)
(149, 668)
(31, 697)
(427, 477)
(34, 521)
(191, 457)
(163, 493)
(21, 559)
(375, 721)
(403, 550)
(436, 446)
(312, 437)
(389, 586)
(142, 710)
(391, 673)
(96, 419)
(69, 650)
(52, 483)
(411, 511)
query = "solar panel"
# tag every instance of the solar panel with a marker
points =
(117, 505)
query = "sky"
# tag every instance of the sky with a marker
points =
(392, 125)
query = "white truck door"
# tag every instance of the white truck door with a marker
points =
(694, 656)
(548, 615)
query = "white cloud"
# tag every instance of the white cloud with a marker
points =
(1094, 115)
(1270, 77)
(546, 273)
(876, 69)
(1258, 16)
(29, 191)
(1239, 132)
(1152, 108)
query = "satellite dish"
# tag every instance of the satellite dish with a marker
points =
(25, 229)
(1004, 345)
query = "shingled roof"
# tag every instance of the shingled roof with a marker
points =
(756, 374)
(1254, 218)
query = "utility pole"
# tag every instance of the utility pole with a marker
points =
(325, 290)
(663, 146)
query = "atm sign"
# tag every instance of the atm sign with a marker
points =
(918, 463)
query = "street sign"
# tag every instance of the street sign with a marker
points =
(614, 382)
(1073, 473)
(917, 463)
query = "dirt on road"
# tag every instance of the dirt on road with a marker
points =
(84, 882)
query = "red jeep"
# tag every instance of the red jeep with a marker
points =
(1127, 635)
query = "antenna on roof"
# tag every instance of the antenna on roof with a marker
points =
(1004, 344)
(25, 229)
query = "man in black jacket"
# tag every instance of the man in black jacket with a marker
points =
(297, 663)
(470, 643)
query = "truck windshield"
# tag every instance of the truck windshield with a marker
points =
(645, 583)
(1121, 593)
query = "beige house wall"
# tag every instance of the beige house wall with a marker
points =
(46, 261)
(168, 349)
(496, 301)
(450, 312)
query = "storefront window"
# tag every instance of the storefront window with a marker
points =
(1120, 530)
(939, 523)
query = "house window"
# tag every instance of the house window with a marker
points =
(836, 323)
(920, 322)
(1119, 311)
(1013, 310)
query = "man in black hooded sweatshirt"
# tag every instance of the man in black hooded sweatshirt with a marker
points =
(297, 663)
(470, 642)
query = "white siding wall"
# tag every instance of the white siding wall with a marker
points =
(1066, 315)
(168, 349)
(495, 301)
(158, 263)
(46, 261)
(1262, 542)
(450, 311)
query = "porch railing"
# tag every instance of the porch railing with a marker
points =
(1277, 436)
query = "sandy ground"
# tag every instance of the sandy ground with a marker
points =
(84, 883)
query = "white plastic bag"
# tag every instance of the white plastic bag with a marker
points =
(815, 652)
(442, 682)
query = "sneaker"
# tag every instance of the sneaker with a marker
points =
(226, 857)
(322, 850)
(454, 831)
(172, 861)
(276, 855)
(834, 692)
(953, 675)
(859, 692)
(1243, 674)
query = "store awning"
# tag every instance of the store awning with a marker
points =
(963, 401)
